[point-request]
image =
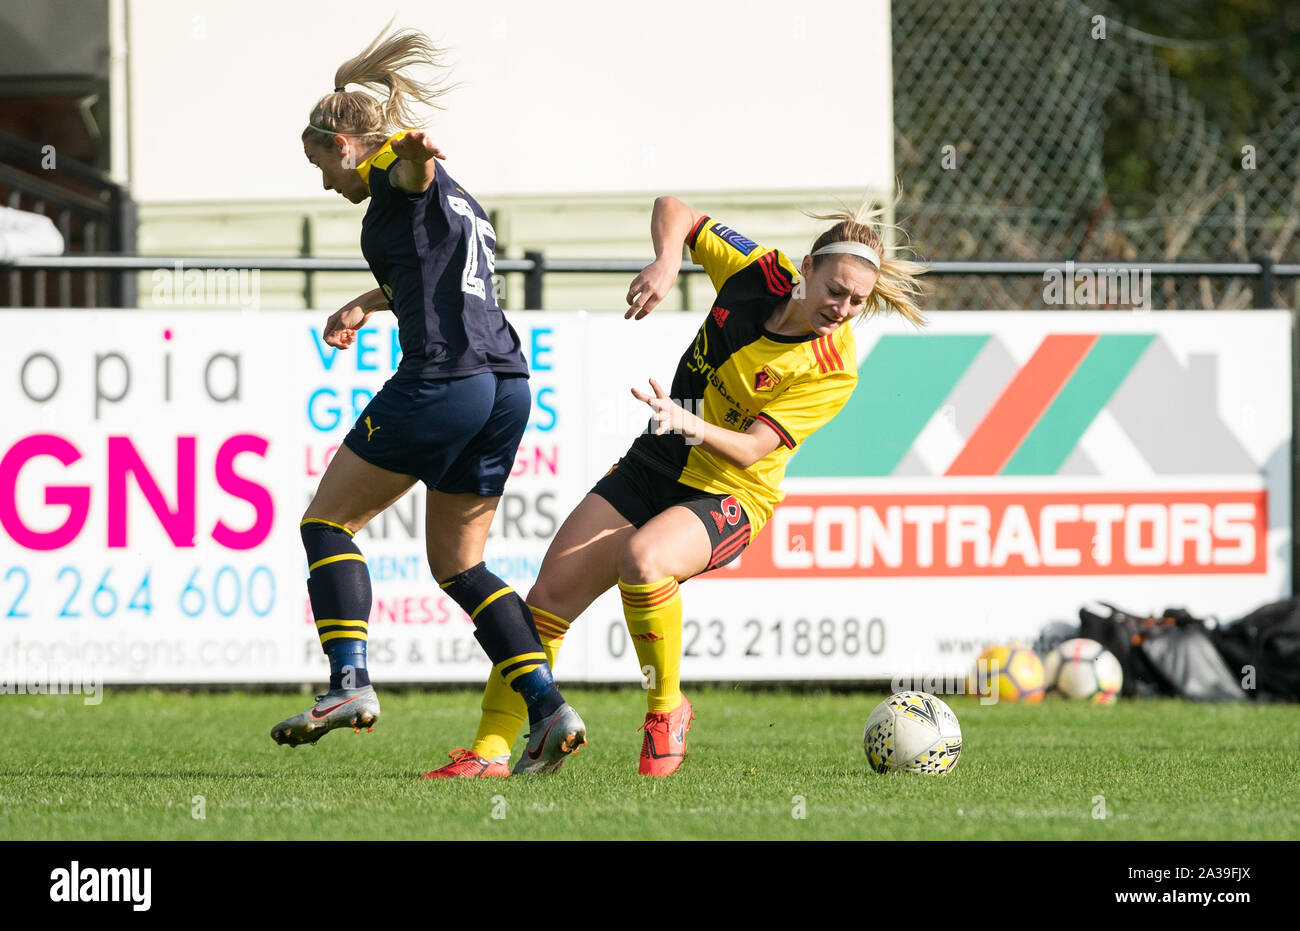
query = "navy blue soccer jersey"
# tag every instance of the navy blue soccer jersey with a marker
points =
(432, 255)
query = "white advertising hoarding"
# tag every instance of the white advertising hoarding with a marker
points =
(992, 473)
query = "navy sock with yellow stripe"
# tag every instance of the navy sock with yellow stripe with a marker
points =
(504, 627)
(338, 584)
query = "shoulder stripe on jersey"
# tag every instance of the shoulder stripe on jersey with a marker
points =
(781, 432)
(777, 282)
(783, 277)
(824, 346)
(765, 265)
(821, 360)
(833, 354)
(694, 234)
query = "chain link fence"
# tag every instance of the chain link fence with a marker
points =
(1002, 110)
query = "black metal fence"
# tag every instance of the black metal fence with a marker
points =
(93, 214)
(1262, 277)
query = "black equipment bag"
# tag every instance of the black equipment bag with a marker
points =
(1168, 655)
(1120, 632)
(1263, 648)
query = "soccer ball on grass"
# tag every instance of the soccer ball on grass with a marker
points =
(1012, 673)
(1084, 670)
(912, 732)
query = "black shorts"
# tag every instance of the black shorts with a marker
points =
(639, 493)
(457, 435)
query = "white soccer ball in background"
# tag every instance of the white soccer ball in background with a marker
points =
(1084, 670)
(912, 732)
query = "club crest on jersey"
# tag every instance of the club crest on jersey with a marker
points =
(735, 240)
(765, 379)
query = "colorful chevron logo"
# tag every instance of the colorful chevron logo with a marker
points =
(962, 405)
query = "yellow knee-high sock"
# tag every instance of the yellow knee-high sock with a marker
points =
(654, 621)
(504, 711)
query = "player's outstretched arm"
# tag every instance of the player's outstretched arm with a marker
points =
(342, 325)
(414, 173)
(670, 224)
(740, 449)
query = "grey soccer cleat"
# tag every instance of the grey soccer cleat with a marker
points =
(355, 708)
(551, 740)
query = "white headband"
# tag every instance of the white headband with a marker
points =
(852, 248)
(343, 132)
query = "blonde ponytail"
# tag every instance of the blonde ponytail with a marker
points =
(380, 68)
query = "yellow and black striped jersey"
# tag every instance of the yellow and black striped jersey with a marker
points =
(737, 371)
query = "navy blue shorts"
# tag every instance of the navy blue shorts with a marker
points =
(457, 435)
(639, 493)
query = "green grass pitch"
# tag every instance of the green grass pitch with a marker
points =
(131, 768)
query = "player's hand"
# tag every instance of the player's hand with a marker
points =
(416, 146)
(668, 414)
(650, 287)
(341, 328)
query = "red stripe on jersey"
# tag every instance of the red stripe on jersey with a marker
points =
(773, 283)
(834, 353)
(821, 361)
(766, 269)
(694, 234)
(777, 282)
(825, 353)
(785, 278)
(785, 438)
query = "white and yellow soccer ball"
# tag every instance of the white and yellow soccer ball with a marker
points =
(1011, 673)
(1084, 670)
(912, 732)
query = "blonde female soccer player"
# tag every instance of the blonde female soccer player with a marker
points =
(772, 362)
(451, 416)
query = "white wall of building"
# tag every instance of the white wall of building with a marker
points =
(567, 97)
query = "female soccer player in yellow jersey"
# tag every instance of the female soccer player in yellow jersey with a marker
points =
(451, 416)
(772, 362)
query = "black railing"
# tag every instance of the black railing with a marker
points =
(534, 268)
(93, 214)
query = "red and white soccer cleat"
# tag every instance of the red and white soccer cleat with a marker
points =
(664, 746)
(466, 764)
